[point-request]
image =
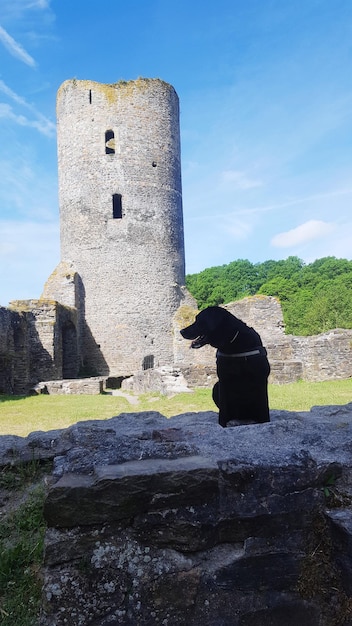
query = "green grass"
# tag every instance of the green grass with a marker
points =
(301, 396)
(22, 415)
(22, 531)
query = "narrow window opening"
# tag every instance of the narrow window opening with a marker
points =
(109, 142)
(148, 362)
(117, 206)
(90, 96)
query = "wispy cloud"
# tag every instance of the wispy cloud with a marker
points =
(313, 229)
(19, 236)
(11, 94)
(38, 4)
(240, 180)
(12, 10)
(345, 191)
(15, 48)
(6, 112)
(42, 124)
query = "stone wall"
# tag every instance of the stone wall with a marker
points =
(326, 356)
(38, 341)
(179, 521)
(182, 522)
(322, 357)
(14, 354)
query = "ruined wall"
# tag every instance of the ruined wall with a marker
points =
(38, 341)
(121, 217)
(326, 356)
(14, 352)
(321, 357)
(63, 285)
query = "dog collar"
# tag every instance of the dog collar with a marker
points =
(261, 351)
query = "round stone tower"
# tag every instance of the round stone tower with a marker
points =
(121, 218)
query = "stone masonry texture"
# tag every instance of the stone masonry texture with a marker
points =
(131, 265)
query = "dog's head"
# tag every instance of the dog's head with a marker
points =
(214, 325)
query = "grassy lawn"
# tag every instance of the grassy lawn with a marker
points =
(22, 415)
(21, 550)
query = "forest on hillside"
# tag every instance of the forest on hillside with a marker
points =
(315, 297)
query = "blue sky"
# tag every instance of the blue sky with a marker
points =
(265, 90)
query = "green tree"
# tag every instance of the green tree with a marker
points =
(314, 297)
(331, 307)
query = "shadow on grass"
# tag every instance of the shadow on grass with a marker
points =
(6, 398)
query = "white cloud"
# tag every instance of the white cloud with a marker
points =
(11, 94)
(313, 229)
(42, 124)
(37, 4)
(46, 127)
(239, 180)
(14, 48)
(11, 11)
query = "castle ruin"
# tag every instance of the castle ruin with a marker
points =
(115, 303)
(121, 221)
(122, 271)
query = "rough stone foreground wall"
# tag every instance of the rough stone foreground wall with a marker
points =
(174, 522)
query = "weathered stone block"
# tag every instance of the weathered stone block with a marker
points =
(123, 491)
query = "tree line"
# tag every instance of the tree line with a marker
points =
(315, 297)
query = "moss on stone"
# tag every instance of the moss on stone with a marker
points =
(23, 306)
(185, 315)
(112, 90)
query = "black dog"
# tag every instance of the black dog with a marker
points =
(242, 366)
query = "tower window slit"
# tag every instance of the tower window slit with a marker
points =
(90, 96)
(117, 206)
(109, 142)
